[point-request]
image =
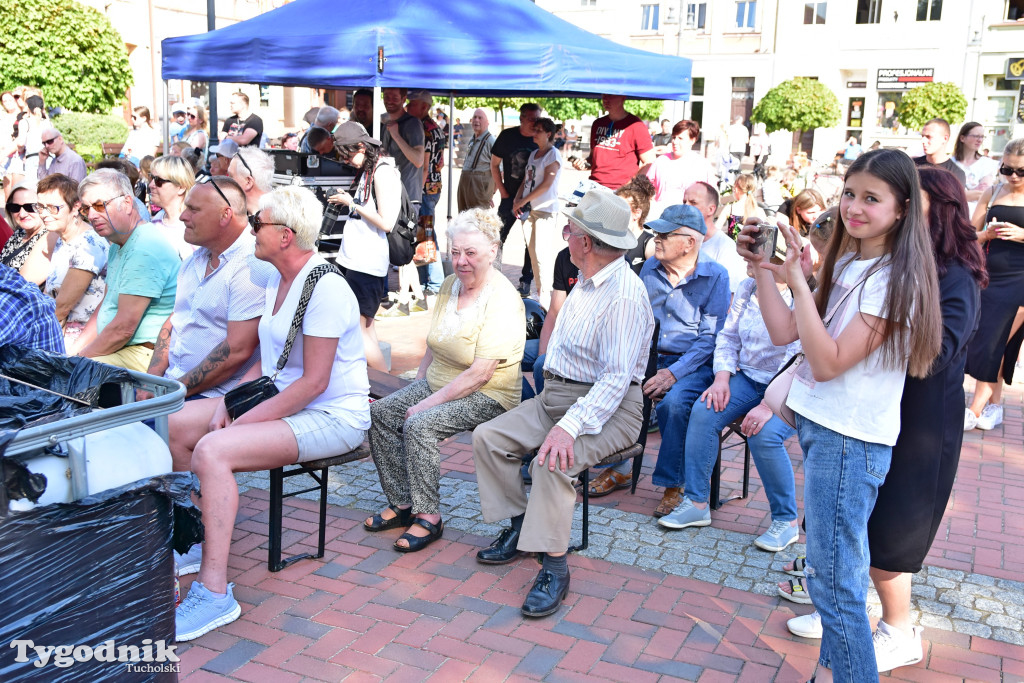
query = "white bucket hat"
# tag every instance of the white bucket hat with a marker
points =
(605, 216)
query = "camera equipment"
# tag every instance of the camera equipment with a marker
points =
(765, 239)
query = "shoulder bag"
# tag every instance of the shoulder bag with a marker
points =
(779, 387)
(248, 395)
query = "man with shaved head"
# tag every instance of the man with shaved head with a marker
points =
(476, 184)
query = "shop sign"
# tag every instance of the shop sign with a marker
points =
(904, 79)
(1015, 69)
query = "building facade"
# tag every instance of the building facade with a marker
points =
(868, 52)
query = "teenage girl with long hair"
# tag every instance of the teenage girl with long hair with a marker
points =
(878, 271)
(742, 207)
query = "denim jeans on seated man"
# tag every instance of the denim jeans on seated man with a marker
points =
(673, 418)
(766, 447)
(533, 363)
(432, 274)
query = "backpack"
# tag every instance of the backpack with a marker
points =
(402, 239)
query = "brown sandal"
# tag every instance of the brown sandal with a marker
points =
(609, 481)
(669, 501)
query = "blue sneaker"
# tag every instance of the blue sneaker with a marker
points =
(686, 514)
(190, 561)
(780, 535)
(201, 612)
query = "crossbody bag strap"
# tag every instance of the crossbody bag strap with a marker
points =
(300, 311)
(831, 314)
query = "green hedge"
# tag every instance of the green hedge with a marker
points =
(88, 131)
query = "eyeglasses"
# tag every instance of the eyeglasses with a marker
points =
(979, 136)
(1007, 171)
(13, 208)
(257, 223)
(98, 206)
(52, 209)
(666, 235)
(210, 181)
(567, 233)
(160, 182)
(51, 140)
(192, 116)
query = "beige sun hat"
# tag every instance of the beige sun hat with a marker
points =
(605, 216)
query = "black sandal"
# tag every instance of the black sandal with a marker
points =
(420, 542)
(402, 518)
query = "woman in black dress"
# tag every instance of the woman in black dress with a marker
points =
(913, 498)
(999, 218)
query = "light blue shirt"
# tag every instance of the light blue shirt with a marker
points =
(691, 313)
(744, 344)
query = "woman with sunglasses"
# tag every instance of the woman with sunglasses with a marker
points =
(79, 261)
(999, 219)
(195, 135)
(170, 179)
(143, 139)
(29, 248)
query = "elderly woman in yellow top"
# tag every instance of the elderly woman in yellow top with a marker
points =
(469, 375)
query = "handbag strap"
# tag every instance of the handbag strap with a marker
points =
(300, 311)
(831, 314)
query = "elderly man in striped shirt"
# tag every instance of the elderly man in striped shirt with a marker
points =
(591, 405)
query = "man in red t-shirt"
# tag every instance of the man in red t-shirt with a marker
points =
(619, 145)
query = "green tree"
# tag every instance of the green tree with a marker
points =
(570, 108)
(88, 132)
(932, 101)
(69, 51)
(797, 105)
(498, 104)
(648, 110)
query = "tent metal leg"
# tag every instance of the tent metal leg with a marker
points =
(451, 151)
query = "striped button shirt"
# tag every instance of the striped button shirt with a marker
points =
(204, 305)
(602, 336)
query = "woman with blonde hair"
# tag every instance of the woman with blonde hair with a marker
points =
(170, 179)
(195, 135)
(143, 139)
(742, 206)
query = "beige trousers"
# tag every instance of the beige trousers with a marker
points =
(499, 446)
(475, 191)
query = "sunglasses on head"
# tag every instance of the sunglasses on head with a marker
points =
(159, 182)
(13, 208)
(210, 181)
(1007, 171)
(244, 163)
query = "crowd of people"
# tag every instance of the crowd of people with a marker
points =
(213, 278)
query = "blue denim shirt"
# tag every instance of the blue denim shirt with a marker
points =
(691, 314)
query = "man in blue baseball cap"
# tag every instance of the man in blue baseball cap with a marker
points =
(689, 295)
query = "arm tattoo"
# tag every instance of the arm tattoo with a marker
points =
(194, 377)
(163, 344)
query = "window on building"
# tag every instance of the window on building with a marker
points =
(746, 14)
(696, 14)
(869, 11)
(814, 12)
(929, 10)
(1014, 10)
(698, 87)
(588, 3)
(649, 17)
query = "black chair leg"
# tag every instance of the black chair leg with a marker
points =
(276, 503)
(323, 513)
(716, 480)
(585, 542)
(746, 468)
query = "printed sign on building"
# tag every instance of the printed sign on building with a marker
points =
(904, 79)
(1015, 69)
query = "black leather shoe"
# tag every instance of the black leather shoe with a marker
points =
(546, 595)
(503, 550)
(402, 518)
(420, 542)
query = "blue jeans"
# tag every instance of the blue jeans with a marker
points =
(533, 362)
(673, 418)
(432, 274)
(766, 447)
(841, 480)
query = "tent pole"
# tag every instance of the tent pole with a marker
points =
(376, 114)
(451, 150)
(211, 112)
(166, 127)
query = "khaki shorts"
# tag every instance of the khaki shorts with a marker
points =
(322, 435)
(136, 357)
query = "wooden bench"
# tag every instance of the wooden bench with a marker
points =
(381, 384)
(111, 150)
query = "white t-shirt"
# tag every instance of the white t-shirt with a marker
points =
(864, 401)
(535, 166)
(364, 248)
(332, 312)
(721, 249)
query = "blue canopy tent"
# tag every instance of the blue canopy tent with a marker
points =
(465, 48)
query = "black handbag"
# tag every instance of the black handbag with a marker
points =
(248, 395)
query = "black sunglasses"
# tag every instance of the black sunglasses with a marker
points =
(1007, 171)
(13, 208)
(257, 223)
(244, 163)
(160, 182)
(210, 181)
(51, 140)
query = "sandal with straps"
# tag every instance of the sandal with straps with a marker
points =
(402, 518)
(798, 567)
(420, 542)
(798, 593)
(608, 482)
(671, 499)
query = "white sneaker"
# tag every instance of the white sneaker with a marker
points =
(686, 514)
(780, 535)
(806, 626)
(991, 417)
(894, 648)
(970, 420)
(190, 561)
